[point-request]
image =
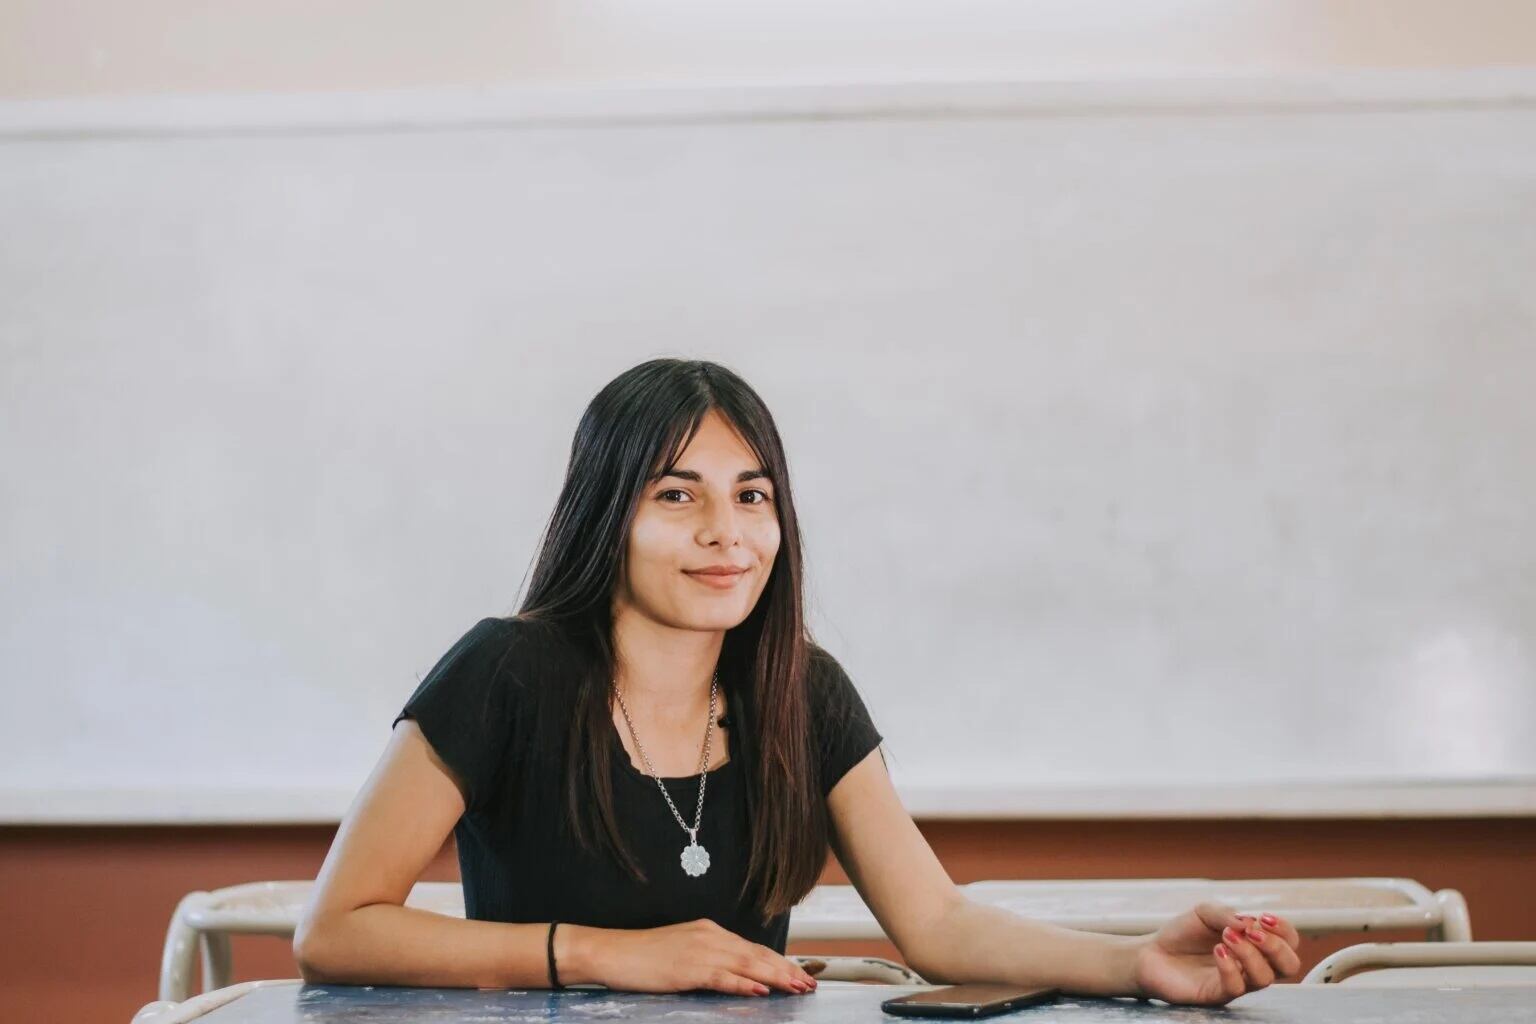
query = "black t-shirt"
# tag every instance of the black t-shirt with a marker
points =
(481, 708)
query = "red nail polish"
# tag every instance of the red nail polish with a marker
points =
(1255, 935)
(1221, 951)
(1270, 919)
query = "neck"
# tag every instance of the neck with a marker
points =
(664, 672)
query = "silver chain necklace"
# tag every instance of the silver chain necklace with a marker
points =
(695, 858)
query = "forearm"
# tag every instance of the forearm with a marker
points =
(975, 942)
(388, 944)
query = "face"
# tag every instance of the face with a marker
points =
(702, 515)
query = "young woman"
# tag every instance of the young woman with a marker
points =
(645, 767)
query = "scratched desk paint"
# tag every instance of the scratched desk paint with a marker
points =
(843, 1002)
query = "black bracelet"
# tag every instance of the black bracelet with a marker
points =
(554, 977)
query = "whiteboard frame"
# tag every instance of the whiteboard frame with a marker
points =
(502, 107)
(1490, 798)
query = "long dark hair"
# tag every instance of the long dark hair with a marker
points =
(634, 429)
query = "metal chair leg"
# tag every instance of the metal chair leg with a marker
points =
(1456, 917)
(178, 961)
(216, 961)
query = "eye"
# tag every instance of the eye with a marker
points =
(662, 495)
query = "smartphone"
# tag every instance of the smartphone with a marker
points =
(972, 999)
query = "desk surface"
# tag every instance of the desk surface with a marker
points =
(842, 1002)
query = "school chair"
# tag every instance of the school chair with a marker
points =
(1316, 906)
(1417, 964)
(203, 921)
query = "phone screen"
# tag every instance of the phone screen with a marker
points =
(972, 999)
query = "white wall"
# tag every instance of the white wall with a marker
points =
(103, 47)
(1161, 450)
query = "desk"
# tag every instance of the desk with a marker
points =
(840, 1002)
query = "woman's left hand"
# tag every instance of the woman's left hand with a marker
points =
(1210, 955)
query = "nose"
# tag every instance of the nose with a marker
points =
(720, 524)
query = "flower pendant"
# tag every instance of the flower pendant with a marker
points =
(695, 859)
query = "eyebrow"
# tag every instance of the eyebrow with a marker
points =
(742, 477)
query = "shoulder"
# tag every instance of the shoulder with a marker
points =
(820, 664)
(841, 723)
(499, 648)
(489, 675)
(488, 639)
(823, 666)
(518, 646)
(831, 690)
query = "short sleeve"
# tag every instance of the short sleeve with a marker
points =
(845, 732)
(464, 710)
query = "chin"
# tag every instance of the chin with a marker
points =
(710, 619)
(719, 621)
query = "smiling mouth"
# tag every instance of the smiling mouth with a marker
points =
(718, 580)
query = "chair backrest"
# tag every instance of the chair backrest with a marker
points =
(1412, 963)
(1316, 906)
(1438, 977)
(203, 921)
(274, 908)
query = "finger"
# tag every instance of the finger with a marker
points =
(764, 965)
(1275, 924)
(739, 964)
(777, 967)
(786, 973)
(723, 980)
(1281, 957)
(1255, 967)
(797, 972)
(1232, 984)
(1217, 916)
(776, 961)
(809, 967)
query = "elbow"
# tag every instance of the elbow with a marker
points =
(308, 946)
(304, 958)
(308, 974)
(923, 960)
(308, 970)
(931, 973)
(930, 955)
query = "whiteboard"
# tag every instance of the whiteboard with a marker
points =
(1161, 448)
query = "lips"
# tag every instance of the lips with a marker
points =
(717, 579)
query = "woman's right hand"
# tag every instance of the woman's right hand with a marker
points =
(693, 955)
